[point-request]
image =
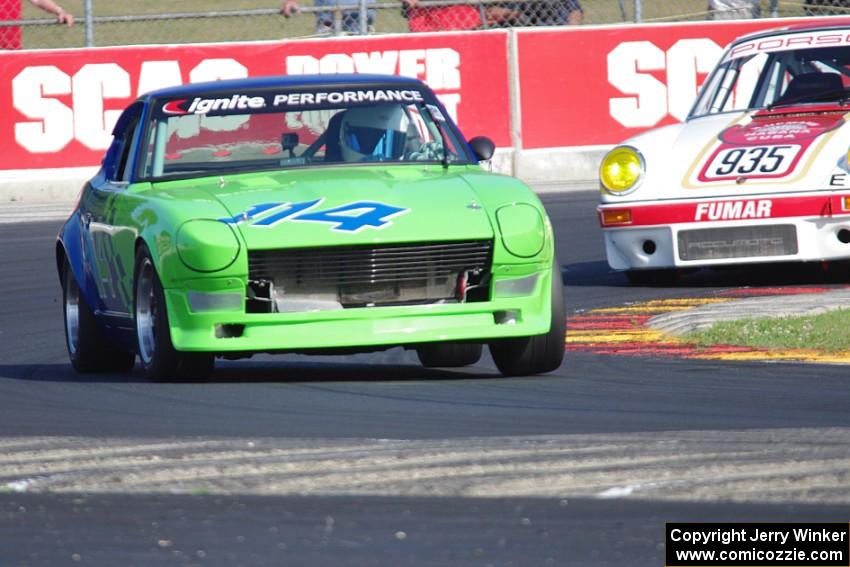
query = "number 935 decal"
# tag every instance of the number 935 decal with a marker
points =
(753, 162)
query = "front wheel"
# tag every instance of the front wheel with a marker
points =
(542, 353)
(159, 358)
(89, 349)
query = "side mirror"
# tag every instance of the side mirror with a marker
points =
(289, 141)
(483, 147)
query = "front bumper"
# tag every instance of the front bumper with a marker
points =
(794, 228)
(379, 327)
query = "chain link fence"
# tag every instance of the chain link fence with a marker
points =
(122, 22)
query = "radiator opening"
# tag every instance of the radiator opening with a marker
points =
(324, 279)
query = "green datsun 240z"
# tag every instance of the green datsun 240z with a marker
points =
(304, 214)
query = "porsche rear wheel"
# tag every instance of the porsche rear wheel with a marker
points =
(89, 349)
(524, 356)
(160, 360)
(449, 355)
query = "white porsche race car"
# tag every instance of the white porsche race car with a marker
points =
(757, 173)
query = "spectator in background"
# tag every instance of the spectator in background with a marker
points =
(325, 20)
(510, 14)
(10, 37)
(733, 9)
(535, 13)
(827, 7)
(548, 13)
(440, 18)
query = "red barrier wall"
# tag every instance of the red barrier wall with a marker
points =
(576, 86)
(57, 108)
(597, 86)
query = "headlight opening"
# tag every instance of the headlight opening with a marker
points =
(621, 170)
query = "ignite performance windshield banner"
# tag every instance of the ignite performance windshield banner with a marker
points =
(276, 102)
(757, 544)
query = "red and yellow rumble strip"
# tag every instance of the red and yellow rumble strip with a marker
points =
(623, 331)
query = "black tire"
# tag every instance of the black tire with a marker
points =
(89, 349)
(449, 355)
(524, 356)
(160, 360)
(655, 277)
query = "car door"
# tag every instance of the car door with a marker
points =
(106, 232)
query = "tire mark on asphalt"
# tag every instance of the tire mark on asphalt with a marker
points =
(769, 465)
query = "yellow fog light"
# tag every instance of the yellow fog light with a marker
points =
(621, 169)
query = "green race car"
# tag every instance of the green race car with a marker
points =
(323, 214)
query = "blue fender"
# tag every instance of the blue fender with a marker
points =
(69, 245)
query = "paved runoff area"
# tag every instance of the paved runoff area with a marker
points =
(16, 212)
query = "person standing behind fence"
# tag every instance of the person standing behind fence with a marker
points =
(325, 20)
(733, 9)
(827, 7)
(10, 37)
(546, 13)
(466, 17)
(440, 18)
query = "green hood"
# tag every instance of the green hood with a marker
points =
(413, 204)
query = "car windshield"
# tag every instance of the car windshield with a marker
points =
(777, 71)
(286, 128)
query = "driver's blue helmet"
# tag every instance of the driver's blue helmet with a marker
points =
(374, 132)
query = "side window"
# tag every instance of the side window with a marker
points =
(118, 156)
(110, 160)
(123, 171)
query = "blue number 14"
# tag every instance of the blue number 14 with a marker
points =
(346, 218)
(354, 216)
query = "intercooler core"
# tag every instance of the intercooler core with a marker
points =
(320, 279)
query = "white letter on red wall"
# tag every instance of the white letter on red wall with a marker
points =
(442, 68)
(159, 75)
(685, 60)
(92, 85)
(54, 125)
(217, 69)
(625, 64)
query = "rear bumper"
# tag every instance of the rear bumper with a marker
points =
(703, 232)
(362, 327)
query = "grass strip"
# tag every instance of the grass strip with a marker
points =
(824, 332)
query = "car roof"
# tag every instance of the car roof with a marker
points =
(838, 23)
(282, 81)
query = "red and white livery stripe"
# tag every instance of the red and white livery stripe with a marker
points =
(821, 205)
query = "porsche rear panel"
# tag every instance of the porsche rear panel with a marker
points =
(737, 242)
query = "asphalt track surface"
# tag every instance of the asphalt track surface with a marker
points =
(770, 441)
